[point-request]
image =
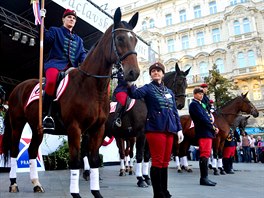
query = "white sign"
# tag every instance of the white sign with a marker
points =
(95, 17)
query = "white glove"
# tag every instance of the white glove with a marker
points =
(180, 136)
(42, 13)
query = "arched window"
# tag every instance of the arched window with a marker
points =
(241, 60)
(203, 67)
(256, 92)
(237, 27)
(182, 16)
(151, 23)
(185, 42)
(251, 58)
(246, 25)
(144, 25)
(220, 65)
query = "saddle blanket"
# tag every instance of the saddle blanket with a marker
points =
(113, 105)
(61, 88)
(192, 124)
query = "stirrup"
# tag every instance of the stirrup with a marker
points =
(118, 122)
(48, 123)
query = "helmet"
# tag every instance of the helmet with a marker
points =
(203, 85)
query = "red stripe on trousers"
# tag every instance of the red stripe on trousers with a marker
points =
(160, 146)
(205, 146)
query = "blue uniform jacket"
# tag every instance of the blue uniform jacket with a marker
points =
(162, 113)
(202, 120)
(121, 83)
(66, 48)
(232, 138)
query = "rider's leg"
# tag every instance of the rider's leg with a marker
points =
(120, 108)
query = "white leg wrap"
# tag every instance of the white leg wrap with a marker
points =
(139, 170)
(177, 161)
(86, 163)
(219, 163)
(181, 161)
(74, 185)
(94, 179)
(127, 161)
(122, 164)
(145, 168)
(209, 160)
(214, 163)
(185, 161)
(12, 173)
(131, 164)
(33, 169)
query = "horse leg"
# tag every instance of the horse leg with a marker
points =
(145, 168)
(220, 159)
(216, 142)
(127, 152)
(184, 148)
(33, 153)
(84, 154)
(178, 165)
(121, 149)
(131, 155)
(140, 143)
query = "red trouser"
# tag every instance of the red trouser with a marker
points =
(229, 151)
(121, 98)
(51, 79)
(160, 146)
(205, 146)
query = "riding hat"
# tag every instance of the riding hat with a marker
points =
(69, 12)
(157, 65)
(203, 85)
(197, 90)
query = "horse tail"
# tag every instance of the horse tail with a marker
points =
(6, 143)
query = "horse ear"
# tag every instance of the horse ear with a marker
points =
(187, 71)
(133, 21)
(117, 16)
(244, 95)
(177, 69)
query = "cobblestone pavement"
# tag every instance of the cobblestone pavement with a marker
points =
(247, 182)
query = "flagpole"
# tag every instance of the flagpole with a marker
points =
(41, 46)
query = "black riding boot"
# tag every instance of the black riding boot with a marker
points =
(164, 182)
(231, 159)
(155, 175)
(48, 122)
(226, 165)
(203, 163)
(118, 115)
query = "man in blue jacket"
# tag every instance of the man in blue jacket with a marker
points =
(66, 51)
(205, 131)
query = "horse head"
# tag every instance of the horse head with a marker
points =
(247, 106)
(124, 41)
(177, 82)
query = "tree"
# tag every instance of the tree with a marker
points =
(221, 87)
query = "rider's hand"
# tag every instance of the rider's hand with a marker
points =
(42, 13)
(180, 136)
(216, 130)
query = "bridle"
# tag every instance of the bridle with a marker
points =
(118, 64)
(173, 84)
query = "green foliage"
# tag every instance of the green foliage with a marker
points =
(220, 87)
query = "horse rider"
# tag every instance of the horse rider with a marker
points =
(120, 94)
(161, 124)
(205, 131)
(206, 100)
(230, 150)
(66, 51)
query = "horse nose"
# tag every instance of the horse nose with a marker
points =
(255, 114)
(132, 75)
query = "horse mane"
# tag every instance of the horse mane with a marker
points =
(227, 103)
(168, 76)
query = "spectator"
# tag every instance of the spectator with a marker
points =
(245, 147)
(253, 149)
(260, 149)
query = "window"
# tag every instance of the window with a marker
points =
(236, 27)
(197, 12)
(144, 25)
(216, 35)
(185, 42)
(168, 19)
(233, 2)
(200, 38)
(186, 67)
(246, 25)
(212, 7)
(151, 23)
(170, 45)
(203, 67)
(241, 60)
(251, 58)
(220, 65)
(256, 92)
(182, 16)
(146, 77)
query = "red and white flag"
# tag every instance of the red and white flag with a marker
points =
(36, 11)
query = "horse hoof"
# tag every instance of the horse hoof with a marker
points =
(189, 170)
(86, 175)
(96, 194)
(179, 171)
(210, 166)
(122, 173)
(38, 189)
(76, 195)
(142, 184)
(222, 172)
(13, 188)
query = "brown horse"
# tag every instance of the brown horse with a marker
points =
(133, 125)
(224, 119)
(83, 108)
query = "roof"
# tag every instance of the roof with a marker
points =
(21, 60)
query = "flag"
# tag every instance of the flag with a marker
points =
(36, 11)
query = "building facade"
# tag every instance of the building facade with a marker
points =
(198, 34)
